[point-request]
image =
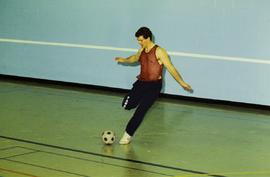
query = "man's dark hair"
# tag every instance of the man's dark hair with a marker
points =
(145, 32)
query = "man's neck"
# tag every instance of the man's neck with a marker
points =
(149, 46)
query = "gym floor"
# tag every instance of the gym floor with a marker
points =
(55, 131)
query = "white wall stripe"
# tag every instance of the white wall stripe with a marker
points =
(182, 54)
(66, 45)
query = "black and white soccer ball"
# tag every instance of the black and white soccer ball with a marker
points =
(108, 137)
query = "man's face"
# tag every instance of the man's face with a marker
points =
(142, 41)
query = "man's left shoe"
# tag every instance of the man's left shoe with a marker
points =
(126, 139)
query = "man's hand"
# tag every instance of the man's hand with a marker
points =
(187, 87)
(120, 59)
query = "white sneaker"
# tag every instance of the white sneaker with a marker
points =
(126, 139)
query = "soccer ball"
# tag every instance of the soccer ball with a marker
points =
(108, 137)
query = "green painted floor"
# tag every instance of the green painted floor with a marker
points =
(55, 131)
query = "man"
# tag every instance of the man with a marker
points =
(146, 89)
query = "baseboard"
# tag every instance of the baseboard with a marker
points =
(118, 90)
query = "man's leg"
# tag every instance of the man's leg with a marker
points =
(137, 118)
(132, 99)
(150, 94)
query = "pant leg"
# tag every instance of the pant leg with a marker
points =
(149, 97)
(132, 99)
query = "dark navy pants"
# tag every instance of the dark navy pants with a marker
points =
(142, 95)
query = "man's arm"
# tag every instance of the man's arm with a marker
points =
(131, 59)
(164, 58)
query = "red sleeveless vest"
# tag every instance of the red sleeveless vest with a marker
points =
(151, 70)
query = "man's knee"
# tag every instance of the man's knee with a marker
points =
(127, 107)
(127, 103)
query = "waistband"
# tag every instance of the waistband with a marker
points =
(150, 82)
